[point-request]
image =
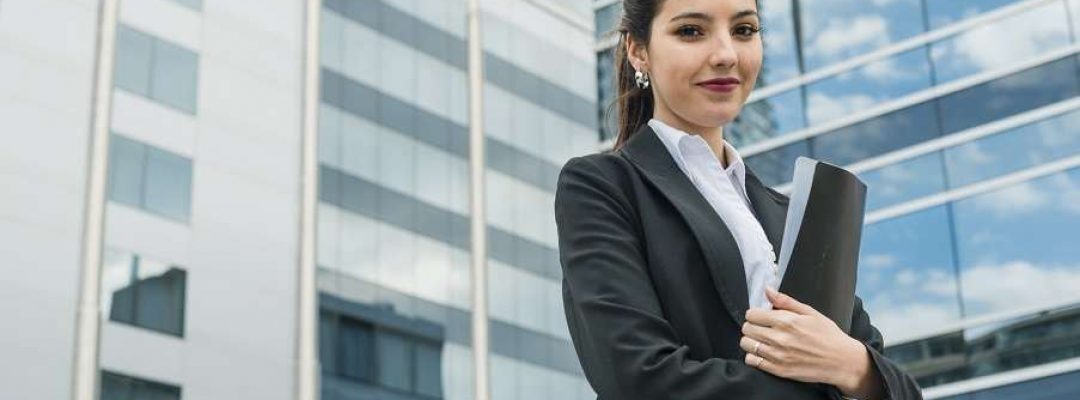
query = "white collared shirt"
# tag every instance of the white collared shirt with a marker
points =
(725, 191)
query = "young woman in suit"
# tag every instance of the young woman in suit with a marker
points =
(668, 242)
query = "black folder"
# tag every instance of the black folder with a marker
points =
(821, 239)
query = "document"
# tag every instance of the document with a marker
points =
(819, 253)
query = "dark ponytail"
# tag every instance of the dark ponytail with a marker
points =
(634, 105)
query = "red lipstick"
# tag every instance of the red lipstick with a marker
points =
(722, 85)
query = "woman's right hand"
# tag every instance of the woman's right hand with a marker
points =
(797, 342)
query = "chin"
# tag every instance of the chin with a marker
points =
(721, 115)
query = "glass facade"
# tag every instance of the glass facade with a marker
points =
(960, 116)
(155, 68)
(115, 386)
(963, 119)
(143, 292)
(393, 251)
(149, 178)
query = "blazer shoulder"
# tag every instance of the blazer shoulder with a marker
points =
(607, 174)
(608, 165)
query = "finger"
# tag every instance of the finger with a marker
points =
(759, 363)
(770, 318)
(747, 344)
(785, 302)
(758, 348)
(759, 333)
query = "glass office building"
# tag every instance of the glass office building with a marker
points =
(963, 119)
(393, 212)
(199, 290)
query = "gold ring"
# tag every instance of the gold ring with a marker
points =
(756, 346)
(759, 361)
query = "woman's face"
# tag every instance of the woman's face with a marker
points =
(696, 41)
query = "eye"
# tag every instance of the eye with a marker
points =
(746, 30)
(688, 31)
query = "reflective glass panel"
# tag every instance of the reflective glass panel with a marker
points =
(907, 277)
(1017, 246)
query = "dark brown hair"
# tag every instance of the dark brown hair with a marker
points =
(633, 105)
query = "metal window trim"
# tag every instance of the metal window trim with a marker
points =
(598, 4)
(898, 47)
(1002, 379)
(959, 138)
(932, 93)
(972, 189)
(564, 14)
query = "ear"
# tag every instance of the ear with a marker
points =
(636, 53)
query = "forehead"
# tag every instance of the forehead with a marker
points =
(718, 10)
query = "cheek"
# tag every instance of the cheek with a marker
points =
(750, 63)
(750, 68)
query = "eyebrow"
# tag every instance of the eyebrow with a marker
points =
(707, 17)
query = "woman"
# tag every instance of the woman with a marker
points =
(667, 240)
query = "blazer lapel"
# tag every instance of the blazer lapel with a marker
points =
(769, 207)
(645, 150)
(648, 154)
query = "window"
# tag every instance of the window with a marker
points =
(143, 292)
(365, 353)
(357, 350)
(1014, 150)
(991, 347)
(149, 178)
(192, 4)
(157, 69)
(607, 19)
(605, 76)
(836, 30)
(945, 12)
(907, 273)
(903, 181)
(1017, 38)
(767, 118)
(779, 42)
(1016, 246)
(1025, 90)
(776, 166)
(119, 387)
(867, 86)
(1074, 16)
(880, 135)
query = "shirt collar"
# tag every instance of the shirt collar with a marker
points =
(676, 140)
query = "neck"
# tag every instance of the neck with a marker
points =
(714, 136)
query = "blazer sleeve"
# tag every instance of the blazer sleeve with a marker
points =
(626, 347)
(896, 384)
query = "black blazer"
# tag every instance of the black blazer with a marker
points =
(653, 283)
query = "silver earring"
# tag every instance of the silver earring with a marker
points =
(642, 79)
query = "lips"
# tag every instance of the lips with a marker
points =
(720, 81)
(720, 84)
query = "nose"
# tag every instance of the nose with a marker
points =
(723, 54)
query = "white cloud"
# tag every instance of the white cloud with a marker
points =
(841, 35)
(826, 108)
(882, 3)
(1015, 200)
(1069, 193)
(1008, 41)
(879, 261)
(939, 283)
(1018, 283)
(909, 319)
(906, 277)
(887, 69)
